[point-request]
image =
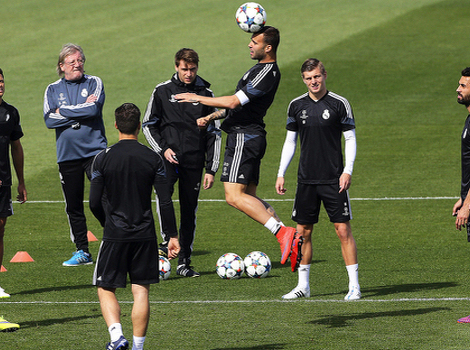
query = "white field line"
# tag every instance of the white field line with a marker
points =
(397, 300)
(291, 200)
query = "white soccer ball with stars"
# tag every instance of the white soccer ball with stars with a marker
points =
(257, 264)
(230, 266)
(164, 268)
(251, 17)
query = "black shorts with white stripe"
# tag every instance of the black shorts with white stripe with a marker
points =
(242, 160)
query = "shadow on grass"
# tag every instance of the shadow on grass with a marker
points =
(55, 289)
(336, 321)
(400, 288)
(200, 252)
(54, 321)
(258, 347)
(407, 288)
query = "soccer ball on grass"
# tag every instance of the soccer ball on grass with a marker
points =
(257, 264)
(251, 17)
(164, 268)
(230, 266)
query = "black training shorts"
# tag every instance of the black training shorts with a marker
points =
(242, 160)
(308, 201)
(117, 259)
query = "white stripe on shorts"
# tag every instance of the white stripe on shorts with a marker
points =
(237, 156)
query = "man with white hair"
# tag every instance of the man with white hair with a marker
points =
(73, 107)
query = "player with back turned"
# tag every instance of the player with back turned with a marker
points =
(129, 170)
(244, 124)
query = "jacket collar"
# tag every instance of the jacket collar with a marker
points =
(198, 83)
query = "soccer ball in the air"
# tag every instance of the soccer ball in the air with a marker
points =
(257, 264)
(164, 268)
(230, 266)
(251, 17)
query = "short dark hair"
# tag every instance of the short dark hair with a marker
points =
(187, 55)
(312, 64)
(271, 36)
(1, 72)
(466, 72)
(127, 118)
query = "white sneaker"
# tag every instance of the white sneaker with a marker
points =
(3, 294)
(297, 293)
(353, 294)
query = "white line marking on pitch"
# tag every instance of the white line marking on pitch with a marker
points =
(398, 300)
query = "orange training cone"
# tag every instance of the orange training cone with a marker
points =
(3, 269)
(91, 237)
(22, 257)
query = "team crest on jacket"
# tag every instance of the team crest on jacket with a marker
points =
(84, 93)
(326, 114)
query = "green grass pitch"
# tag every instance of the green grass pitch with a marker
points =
(398, 62)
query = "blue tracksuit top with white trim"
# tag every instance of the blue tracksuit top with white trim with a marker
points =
(79, 124)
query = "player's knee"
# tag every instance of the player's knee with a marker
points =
(344, 237)
(231, 200)
(344, 233)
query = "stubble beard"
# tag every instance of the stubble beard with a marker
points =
(465, 100)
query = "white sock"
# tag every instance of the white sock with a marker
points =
(115, 331)
(353, 275)
(138, 343)
(304, 277)
(273, 225)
